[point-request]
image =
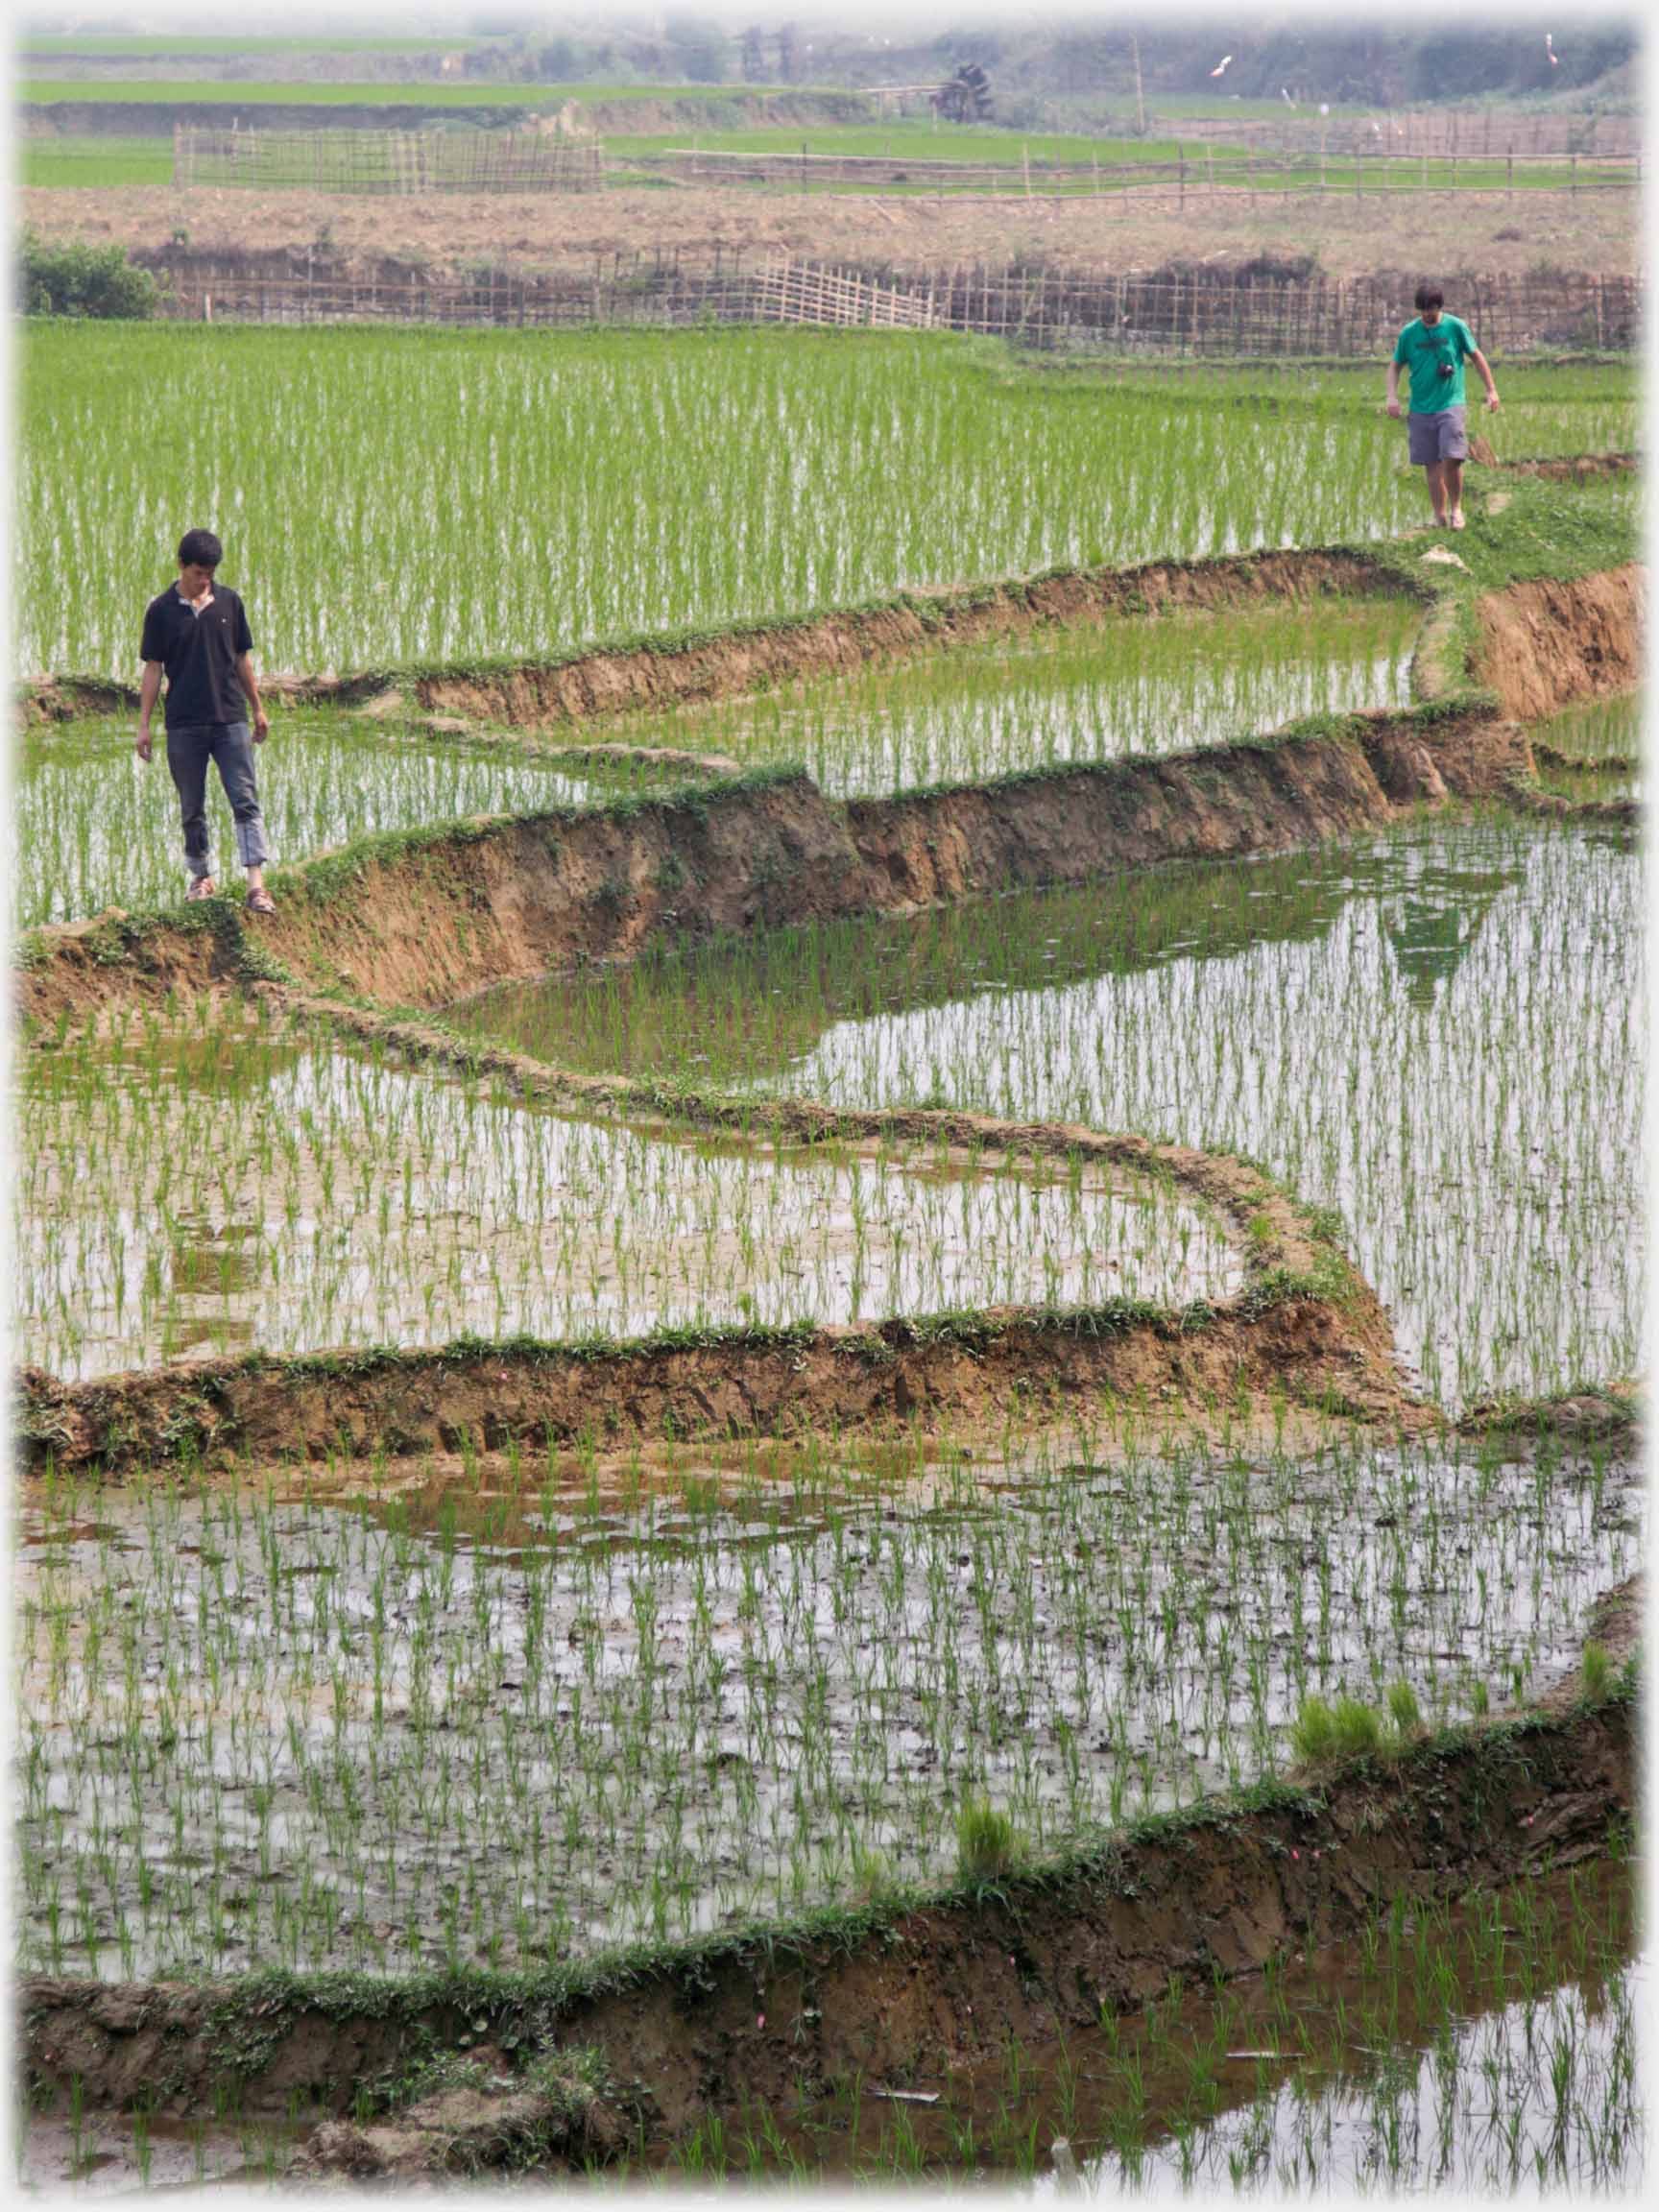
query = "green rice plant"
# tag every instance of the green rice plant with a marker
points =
(422, 458)
(984, 1841)
(1596, 1668)
(1405, 1711)
(1314, 1734)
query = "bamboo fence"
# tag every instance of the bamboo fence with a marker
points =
(385, 161)
(1202, 312)
(1228, 168)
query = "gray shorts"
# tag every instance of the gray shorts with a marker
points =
(1438, 437)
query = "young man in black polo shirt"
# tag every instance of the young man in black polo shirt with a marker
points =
(197, 634)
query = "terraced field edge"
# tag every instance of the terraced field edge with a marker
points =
(421, 918)
(675, 2032)
(623, 676)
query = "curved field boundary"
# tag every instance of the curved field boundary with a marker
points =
(753, 2016)
(1305, 1323)
(624, 676)
(945, 1371)
(419, 919)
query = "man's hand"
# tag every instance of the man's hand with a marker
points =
(261, 725)
(142, 748)
(1493, 402)
(1394, 409)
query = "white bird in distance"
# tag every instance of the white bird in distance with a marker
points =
(1284, 95)
(1549, 49)
(1225, 59)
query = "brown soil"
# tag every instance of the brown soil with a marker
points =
(524, 897)
(591, 686)
(1547, 642)
(855, 1378)
(1471, 231)
(102, 962)
(1575, 468)
(744, 2021)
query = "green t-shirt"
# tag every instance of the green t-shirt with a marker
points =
(1427, 354)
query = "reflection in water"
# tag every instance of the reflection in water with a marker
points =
(731, 1696)
(1438, 922)
(1440, 1036)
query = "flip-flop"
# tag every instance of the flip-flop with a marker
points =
(260, 902)
(201, 887)
(1457, 522)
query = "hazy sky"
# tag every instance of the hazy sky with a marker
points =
(916, 18)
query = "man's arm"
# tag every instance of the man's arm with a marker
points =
(149, 691)
(250, 686)
(1394, 387)
(1486, 377)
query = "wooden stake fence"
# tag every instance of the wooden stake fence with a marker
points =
(1199, 312)
(403, 163)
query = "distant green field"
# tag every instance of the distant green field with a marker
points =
(73, 43)
(105, 164)
(1225, 164)
(909, 140)
(43, 90)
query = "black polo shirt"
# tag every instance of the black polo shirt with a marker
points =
(199, 652)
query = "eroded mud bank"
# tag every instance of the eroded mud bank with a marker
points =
(711, 2027)
(1549, 641)
(607, 680)
(423, 920)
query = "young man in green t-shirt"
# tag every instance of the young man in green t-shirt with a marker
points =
(1433, 349)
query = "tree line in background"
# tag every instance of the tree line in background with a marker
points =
(1361, 62)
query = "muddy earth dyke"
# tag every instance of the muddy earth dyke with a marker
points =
(951, 1376)
(749, 2018)
(1552, 640)
(424, 920)
(742, 657)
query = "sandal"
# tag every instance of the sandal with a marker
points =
(260, 902)
(201, 887)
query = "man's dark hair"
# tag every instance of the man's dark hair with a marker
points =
(200, 549)
(1430, 295)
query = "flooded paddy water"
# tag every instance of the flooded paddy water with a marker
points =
(510, 1715)
(1131, 684)
(1489, 2047)
(1440, 1035)
(95, 827)
(232, 1184)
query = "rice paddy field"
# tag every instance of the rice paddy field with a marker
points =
(430, 1717)
(504, 1721)
(1398, 1031)
(599, 485)
(1133, 686)
(95, 827)
(354, 1203)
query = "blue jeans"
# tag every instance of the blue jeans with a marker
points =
(231, 745)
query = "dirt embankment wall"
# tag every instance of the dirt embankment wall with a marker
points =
(841, 1381)
(1547, 642)
(750, 2020)
(421, 922)
(653, 673)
